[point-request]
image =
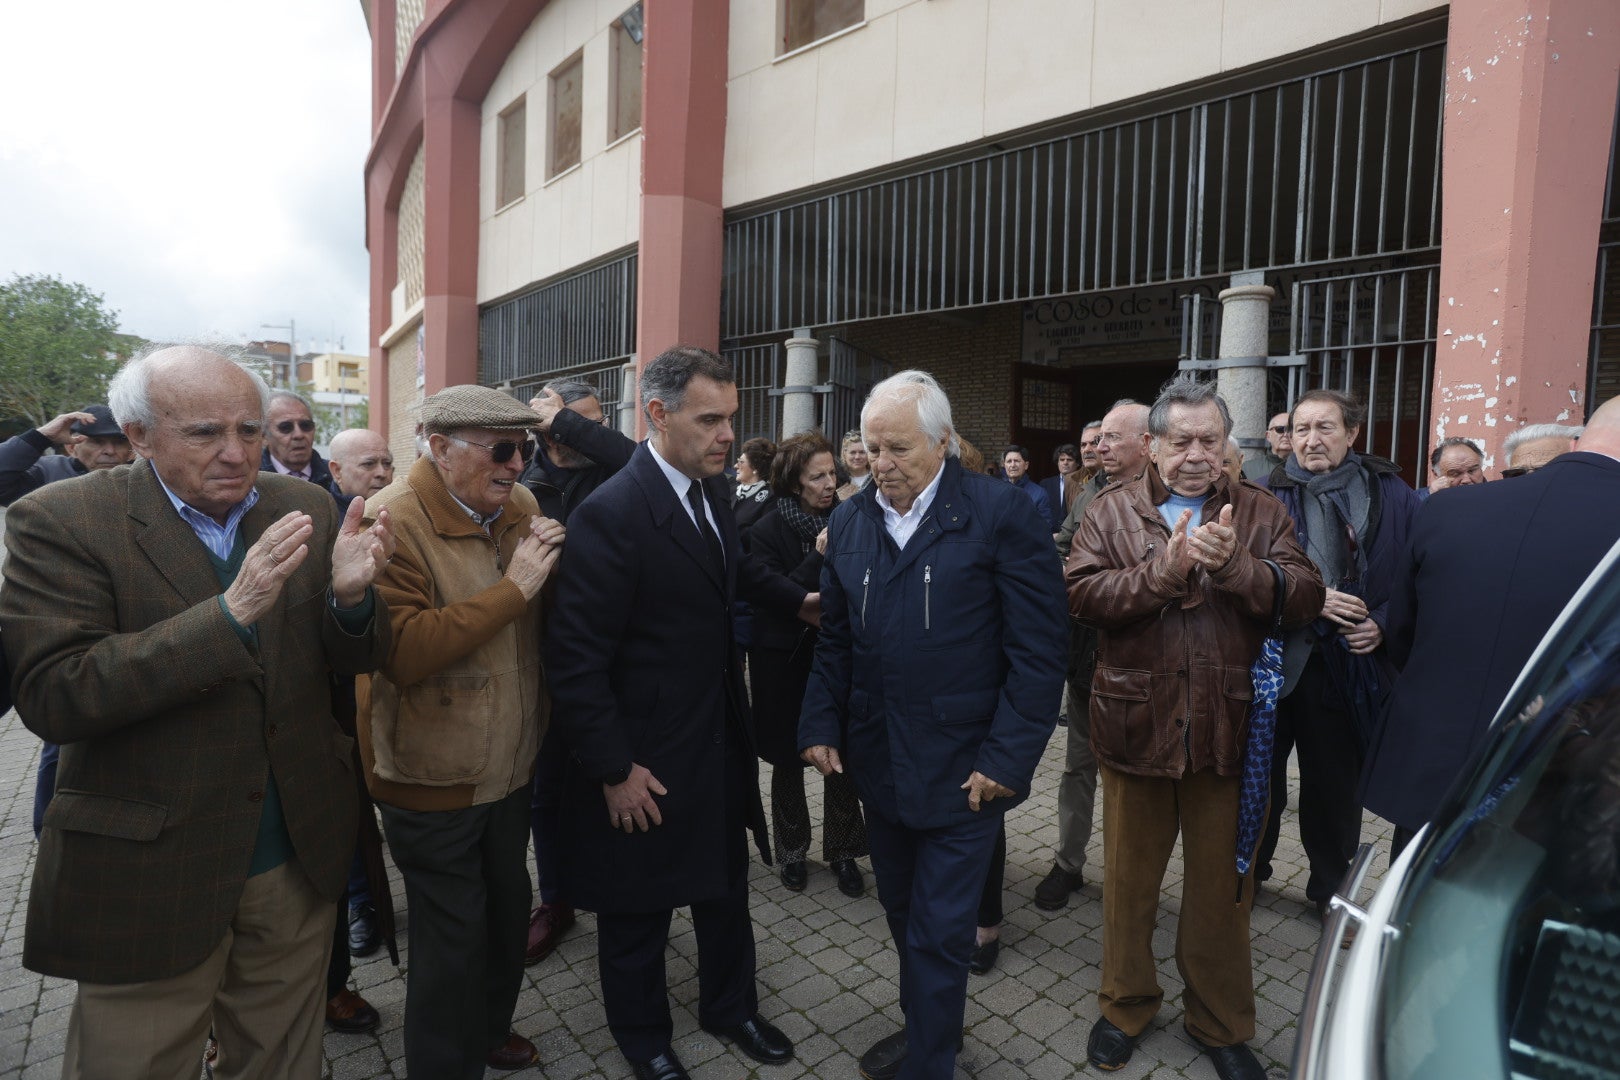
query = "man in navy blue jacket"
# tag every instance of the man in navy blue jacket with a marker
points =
(1489, 568)
(936, 684)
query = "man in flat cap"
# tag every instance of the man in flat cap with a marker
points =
(450, 725)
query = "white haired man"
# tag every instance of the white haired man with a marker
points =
(1532, 446)
(201, 832)
(935, 687)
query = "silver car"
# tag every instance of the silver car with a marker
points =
(1491, 949)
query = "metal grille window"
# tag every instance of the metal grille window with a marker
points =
(1372, 334)
(607, 378)
(1339, 165)
(759, 370)
(580, 320)
(1046, 404)
(1603, 355)
(851, 373)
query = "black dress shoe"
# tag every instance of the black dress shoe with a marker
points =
(883, 1058)
(794, 875)
(363, 936)
(850, 881)
(351, 1014)
(1052, 894)
(1109, 1048)
(984, 957)
(1235, 1062)
(665, 1066)
(759, 1039)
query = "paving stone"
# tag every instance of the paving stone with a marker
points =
(827, 971)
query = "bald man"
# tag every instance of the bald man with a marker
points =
(1488, 569)
(361, 462)
(204, 817)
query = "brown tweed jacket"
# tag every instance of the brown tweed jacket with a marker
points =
(168, 721)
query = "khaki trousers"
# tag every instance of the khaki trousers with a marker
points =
(1141, 817)
(1077, 787)
(262, 989)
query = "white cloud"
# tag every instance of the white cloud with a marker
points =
(198, 162)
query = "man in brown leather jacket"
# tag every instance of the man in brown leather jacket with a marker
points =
(1171, 569)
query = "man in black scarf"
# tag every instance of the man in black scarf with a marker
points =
(1351, 515)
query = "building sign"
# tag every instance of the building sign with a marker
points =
(1053, 329)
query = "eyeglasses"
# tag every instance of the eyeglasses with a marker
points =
(500, 453)
(286, 426)
(1517, 470)
(1280, 429)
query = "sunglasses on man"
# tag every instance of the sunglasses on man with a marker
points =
(286, 426)
(500, 453)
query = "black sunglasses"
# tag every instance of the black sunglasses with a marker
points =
(500, 453)
(1517, 470)
(1280, 429)
(286, 426)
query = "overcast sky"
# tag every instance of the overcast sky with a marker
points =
(197, 162)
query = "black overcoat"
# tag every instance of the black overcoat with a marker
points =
(643, 667)
(1488, 569)
(779, 658)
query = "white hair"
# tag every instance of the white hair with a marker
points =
(1537, 432)
(129, 395)
(922, 390)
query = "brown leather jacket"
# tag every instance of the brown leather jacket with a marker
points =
(1172, 691)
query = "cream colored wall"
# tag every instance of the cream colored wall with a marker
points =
(925, 75)
(588, 211)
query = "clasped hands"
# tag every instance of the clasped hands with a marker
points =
(1349, 613)
(980, 788)
(1210, 545)
(358, 555)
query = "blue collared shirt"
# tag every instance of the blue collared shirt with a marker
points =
(217, 538)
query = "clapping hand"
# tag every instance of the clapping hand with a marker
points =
(359, 554)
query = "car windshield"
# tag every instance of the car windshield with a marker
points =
(1507, 954)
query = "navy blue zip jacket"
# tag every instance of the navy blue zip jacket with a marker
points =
(942, 658)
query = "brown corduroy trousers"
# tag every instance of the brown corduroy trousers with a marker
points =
(1141, 817)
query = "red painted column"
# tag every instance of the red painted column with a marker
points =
(682, 167)
(450, 136)
(1530, 100)
(382, 238)
(383, 54)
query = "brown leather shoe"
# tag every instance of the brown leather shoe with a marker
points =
(547, 925)
(351, 1014)
(515, 1053)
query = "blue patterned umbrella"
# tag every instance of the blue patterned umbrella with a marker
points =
(1268, 679)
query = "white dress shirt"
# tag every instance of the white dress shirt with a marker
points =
(682, 484)
(902, 526)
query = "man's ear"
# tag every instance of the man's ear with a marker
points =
(657, 415)
(138, 438)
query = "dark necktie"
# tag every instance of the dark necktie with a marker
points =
(694, 496)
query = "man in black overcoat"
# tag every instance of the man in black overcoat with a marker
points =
(646, 682)
(1489, 568)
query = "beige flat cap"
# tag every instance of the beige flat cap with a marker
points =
(458, 407)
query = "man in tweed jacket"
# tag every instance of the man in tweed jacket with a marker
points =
(171, 623)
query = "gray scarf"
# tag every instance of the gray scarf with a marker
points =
(1336, 506)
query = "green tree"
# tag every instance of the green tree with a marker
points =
(58, 347)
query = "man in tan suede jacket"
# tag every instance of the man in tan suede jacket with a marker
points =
(450, 725)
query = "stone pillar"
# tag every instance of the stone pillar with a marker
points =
(798, 400)
(1530, 97)
(629, 418)
(1245, 336)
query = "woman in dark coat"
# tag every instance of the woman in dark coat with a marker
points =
(788, 542)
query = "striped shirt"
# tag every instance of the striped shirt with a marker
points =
(217, 538)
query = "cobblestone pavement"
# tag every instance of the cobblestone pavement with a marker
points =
(827, 973)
